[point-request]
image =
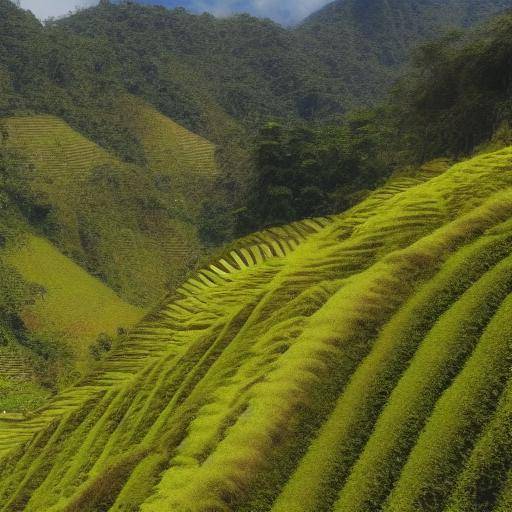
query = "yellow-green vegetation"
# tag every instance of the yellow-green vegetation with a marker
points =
(133, 226)
(169, 147)
(20, 395)
(356, 363)
(20, 390)
(182, 163)
(73, 306)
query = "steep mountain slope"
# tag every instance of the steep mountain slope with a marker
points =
(46, 342)
(456, 97)
(365, 43)
(356, 363)
(181, 161)
(134, 226)
(211, 74)
(96, 238)
(216, 77)
(243, 66)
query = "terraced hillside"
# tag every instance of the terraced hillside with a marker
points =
(169, 147)
(20, 389)
(182, 161)
(356, 363)
(135, 227)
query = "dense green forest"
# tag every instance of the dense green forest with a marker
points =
(456, 95)
(453, 100)
(365, 43)
(211, 74)
(227, 78)
(310, 170)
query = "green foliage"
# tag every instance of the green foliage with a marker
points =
(203, 71)
(15, 292)
(56, 72)
(95, 207)
(21, 397)
(17, 195)
(456, 95)
(311, 367)
(215, 76)
(307, 171)
(365, 44)
(102, 345)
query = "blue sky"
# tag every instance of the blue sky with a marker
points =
(284, 11)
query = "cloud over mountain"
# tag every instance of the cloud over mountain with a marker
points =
(44, 9)
(284, 11)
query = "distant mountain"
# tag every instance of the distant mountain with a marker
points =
(364, 43)
(213, 74)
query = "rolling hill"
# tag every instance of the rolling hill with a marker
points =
(99, 239)
(50, 347)
(73, 307)
(354, 363)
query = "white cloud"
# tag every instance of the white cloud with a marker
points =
(44, 9)
(285, 11)
(297, 8)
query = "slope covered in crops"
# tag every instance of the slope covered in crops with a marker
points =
(133, 226)
(355, 363)
(182, 161)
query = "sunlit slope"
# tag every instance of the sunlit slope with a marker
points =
(62, 157)
(128, 224)
(357, 363)
(182, 162)
(168, 146)
(73, 306)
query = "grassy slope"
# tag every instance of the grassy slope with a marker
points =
(75, 306)
(358, 363)
(176, 155)
(135, 227)
(167, 145)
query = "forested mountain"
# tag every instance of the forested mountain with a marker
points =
(215, 76)
(364, 43)
(209, 69)
(456, 96)
(344, 55)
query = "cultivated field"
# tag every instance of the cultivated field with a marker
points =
(352, 364)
